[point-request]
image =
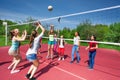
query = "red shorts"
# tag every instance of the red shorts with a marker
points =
(61, 51)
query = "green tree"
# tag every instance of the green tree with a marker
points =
(85, 29)
(101, 31)
(115, 30)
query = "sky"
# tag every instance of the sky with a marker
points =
(18, 10)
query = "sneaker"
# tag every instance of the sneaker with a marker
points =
(59, 59)
(78, 61)
(52, 57)
(47, 57)
(32, 78)
(27, 76)
(71, 61)
(63, 59)
(90, 69)
(15, 71)
(9, 68)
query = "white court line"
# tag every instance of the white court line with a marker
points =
(70, 73)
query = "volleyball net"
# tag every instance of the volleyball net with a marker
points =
(104, 23)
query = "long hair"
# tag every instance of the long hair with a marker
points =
(62, 43)
(12, 33)
(78, 33)
(94, 37)
(51, 32)
(32, 37)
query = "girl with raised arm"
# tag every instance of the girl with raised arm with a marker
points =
(14, 49)
(33, 49)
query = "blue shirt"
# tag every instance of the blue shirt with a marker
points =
(15, 45)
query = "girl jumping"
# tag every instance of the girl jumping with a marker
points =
(14, 49)
(33, 49)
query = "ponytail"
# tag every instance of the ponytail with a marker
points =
(12, 33)
(31, 41)
(33, 35)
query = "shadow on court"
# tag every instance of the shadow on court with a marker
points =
(25, 66)
(46, 68)
(43, 52)
(2, 63)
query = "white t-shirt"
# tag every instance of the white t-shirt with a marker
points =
(61, 43)
(35, 46)
(51, 37)
(76, 40)
(55, 39)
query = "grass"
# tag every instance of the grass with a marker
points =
(99, 45)
(2, 40)
(2, 43)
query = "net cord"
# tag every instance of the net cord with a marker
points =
(74, 14)
(100, 42)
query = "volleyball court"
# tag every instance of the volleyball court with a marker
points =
(107, 61)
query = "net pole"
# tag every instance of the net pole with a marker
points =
(6, 28)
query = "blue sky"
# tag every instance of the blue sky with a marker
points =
(18, 10)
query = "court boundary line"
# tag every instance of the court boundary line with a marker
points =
(70, 73)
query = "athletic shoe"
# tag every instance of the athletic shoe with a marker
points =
(63, 59)
(71, 61)
(78, 61)
(15, 71)
(9, 68)
(27, 76)
(91, 69)
(59, 59)
(47, 57)
(32, 78)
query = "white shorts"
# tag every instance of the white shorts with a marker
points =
(13, 52)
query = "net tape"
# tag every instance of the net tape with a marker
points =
(110, 43)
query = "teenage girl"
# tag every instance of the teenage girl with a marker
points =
(33, 49)
(92, 51)
(50, 43)
(76, 47)
(14, 49)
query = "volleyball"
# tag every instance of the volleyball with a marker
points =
(50, 8)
